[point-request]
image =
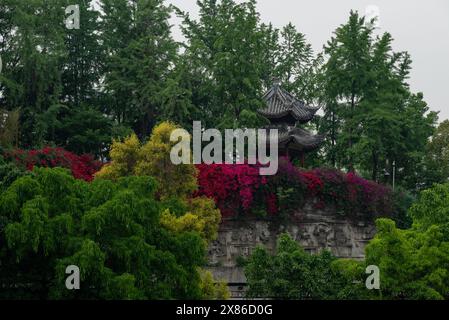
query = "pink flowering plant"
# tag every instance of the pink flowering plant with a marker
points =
(239, 190)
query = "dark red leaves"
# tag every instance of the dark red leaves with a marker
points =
(82, 167)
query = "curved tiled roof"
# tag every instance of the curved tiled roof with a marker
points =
(302, 140)
(280, 104)
(298, 139)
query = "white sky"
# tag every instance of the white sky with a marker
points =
(420, 27)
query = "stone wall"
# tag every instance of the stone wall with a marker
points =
(315, 229)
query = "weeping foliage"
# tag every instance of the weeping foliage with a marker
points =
(110, 230)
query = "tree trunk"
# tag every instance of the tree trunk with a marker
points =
(375, 165)
(351, 131)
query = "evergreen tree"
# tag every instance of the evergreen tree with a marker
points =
(436, 160)
(225, 54)
(82, 65)
(370, 111)
(347, 76)
(139, 58)
(33, 51)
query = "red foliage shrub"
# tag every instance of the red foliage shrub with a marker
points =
(82, 167)
(233, 187)
(240, 189)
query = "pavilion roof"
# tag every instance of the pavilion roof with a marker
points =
(282, 104)
(299, 139)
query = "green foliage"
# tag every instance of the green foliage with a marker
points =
(371, 118)
(413, 263)
(432, 207)
(212, 289)
(436, 161)
(78, 88)
(52, 74)
(9, 172)
(231, 58)
(110, 230)
(353, 283)
(82, 130)
(292, 273)
(402, 202)
(138, 66)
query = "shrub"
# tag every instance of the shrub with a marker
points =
(176, 184)
(413, 263)
(292, 273)
(233, 187)
(239, 189)
(82, 167)
(130, 157)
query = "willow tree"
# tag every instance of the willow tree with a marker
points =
(110, 230)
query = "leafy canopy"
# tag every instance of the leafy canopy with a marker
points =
(110, 230)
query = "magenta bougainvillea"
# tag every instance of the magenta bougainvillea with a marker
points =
(82, 167)
(233, 187)
(239, 189)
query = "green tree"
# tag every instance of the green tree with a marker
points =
(110, 230)
(292, 273)
(84, 130)
(82, 65)
(225, 57)
(436, 161)
(32, 51)
(296, 65)
(347, 73)
(432, 207)
(373, 122)
(413, 263)
(139, 60)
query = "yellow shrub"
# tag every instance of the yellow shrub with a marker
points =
(179, 181)
(205, 209)
(187, 222)
(202, 217)
(211, 288)
(124, 156)
(154, 160)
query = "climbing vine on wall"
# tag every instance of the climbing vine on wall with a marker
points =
(239, 189)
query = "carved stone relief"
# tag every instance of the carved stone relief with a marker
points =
(314, 230)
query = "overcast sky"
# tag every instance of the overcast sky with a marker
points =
(420, 27)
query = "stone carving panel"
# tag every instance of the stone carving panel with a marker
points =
(314, 230)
